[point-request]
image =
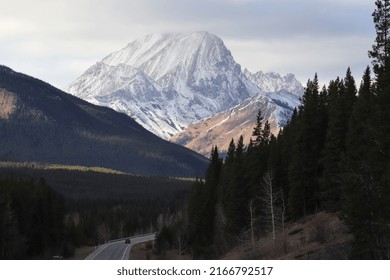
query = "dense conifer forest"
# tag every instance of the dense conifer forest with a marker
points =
(334, 155)
(46, 213)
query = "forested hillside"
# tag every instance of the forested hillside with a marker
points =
(334, 155)
(48, 213)
(43, 124)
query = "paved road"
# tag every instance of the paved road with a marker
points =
(118, 250)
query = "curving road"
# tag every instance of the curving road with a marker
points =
(118, 249)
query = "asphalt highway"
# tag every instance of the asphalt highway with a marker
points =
(118, 249)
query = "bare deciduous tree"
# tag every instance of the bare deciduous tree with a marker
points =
(274, 208)
(268, 198)
(253, 219)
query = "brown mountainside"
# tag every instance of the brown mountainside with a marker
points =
(220, 129)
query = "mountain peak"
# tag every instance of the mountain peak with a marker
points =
(159, 54)
(187, 77)
(182, 78)
(274, 82)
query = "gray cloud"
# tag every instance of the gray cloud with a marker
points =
(57, 40)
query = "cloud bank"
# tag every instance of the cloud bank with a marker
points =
(57, 40)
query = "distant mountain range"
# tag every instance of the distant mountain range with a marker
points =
(41, 123)
(168, 81)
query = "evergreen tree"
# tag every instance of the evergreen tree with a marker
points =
(196, 210)
(304, 169)
(202, 209)
(265, 134)
(363, 194)
(226, 188)
(257, 129)
(241, 194)
(278, 161)
(231, 151)
(240, 148)
(256, 156)
(380, 52)
(341, 99)
(234, 188)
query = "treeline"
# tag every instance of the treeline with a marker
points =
(333, 155)
(95, 207)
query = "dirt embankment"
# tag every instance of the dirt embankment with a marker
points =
(321, 236)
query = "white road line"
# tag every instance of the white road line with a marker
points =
(97, 252)
(124, 253)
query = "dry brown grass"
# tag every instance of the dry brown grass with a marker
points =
(319, 236)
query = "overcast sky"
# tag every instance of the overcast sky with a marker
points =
(57, 40)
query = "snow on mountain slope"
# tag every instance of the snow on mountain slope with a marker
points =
(276, 107)
(167, 81)
(188, 77)
(273, 82)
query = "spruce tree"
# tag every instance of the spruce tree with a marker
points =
(341, 99)
(363, 164)
(231, 152)
(380, 52)
(203, 209)
(304, 167)
(257, 129)
(380, 55)
(241, 189)
(212, 180)
(257, 154)
(234, 188)
(265, 134)
(226, 188)
(240, 148)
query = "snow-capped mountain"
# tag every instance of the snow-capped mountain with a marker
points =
(273, 82)
(167, 81)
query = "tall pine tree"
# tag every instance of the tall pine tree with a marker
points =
(362, 170)
(341, 99)
(304, 167)
(203, 209)
(380, 55)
